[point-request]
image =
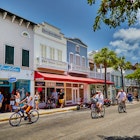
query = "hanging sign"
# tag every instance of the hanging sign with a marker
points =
(12, 80)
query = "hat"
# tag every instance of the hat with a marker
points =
(98, 91)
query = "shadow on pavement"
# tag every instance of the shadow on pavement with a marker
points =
(120, 138)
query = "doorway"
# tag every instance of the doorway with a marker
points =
(75, 95)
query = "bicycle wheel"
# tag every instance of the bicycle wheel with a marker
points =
(120, 108)
(34, 115)
(93, 112)
(103, 111)
(15, 119)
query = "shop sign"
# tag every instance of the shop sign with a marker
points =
(39, 83)
(9, 68)
(12, 79)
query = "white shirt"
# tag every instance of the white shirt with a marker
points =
(121, 95)
(29, 101)
(100, 98)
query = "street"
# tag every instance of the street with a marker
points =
(78, 125)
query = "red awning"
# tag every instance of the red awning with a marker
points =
(47, 76)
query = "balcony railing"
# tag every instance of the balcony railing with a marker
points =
(78, 69)
(98, 75)
(51, 64)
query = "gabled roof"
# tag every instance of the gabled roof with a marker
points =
(77, 40)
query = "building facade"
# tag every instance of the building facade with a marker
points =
(16, 53)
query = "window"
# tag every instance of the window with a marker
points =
(52, 51)
(43, 51)
(77, 48)
(71, 58)
(9, 55)
(59, 54)
(83, 62)
(77, 60)
(25, 58)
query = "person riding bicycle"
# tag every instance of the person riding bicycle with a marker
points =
(100, 97)
(121, 96)
(27, 107)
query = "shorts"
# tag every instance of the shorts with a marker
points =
(17, 100)
(0, 105)
(12, 102)
(28, 109)
(61, 101)
(36, 101)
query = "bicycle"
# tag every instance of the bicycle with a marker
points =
(15, 118)
(121, 107)
(95, 111)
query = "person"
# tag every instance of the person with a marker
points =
(61, 98)
(94, 99)
(12, 101)
(100, 100)
(17, 98)
(27, 107)
(55, 96)
(1, 100)
(121, 96)
(37, 99)
(7, 102)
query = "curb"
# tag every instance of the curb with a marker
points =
(43, 113)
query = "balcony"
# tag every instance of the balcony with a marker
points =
(98, 75)
(51, 64)
(78, 69)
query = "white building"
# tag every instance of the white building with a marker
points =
(16, 53)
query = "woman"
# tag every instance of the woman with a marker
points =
(17, 98)
(61, 98)
(37, 98)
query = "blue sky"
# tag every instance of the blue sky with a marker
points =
(75, 19)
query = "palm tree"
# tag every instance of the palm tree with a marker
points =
(107, 58)
(121, 66)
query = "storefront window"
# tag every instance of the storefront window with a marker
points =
(68, 94)
(68, 84)
(75, 85)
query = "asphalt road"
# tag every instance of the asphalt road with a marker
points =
(78, 125)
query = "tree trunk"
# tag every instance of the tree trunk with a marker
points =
(122, 80)
(105, 83)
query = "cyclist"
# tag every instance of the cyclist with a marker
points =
(27, 107)
(100, 98)
(121, 96)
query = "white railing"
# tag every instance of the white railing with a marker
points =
(98, 75)
(49, 63)
(78, 69)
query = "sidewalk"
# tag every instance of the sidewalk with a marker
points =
(5, 116)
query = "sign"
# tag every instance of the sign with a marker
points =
(12, 80)
(9, 68)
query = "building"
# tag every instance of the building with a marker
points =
(16, 53)
(50, 60)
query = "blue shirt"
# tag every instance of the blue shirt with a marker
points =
(1, 98)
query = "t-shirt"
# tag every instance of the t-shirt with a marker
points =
(61, 95)
(121, 95)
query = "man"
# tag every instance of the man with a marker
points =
(55, 96)
(1, 100)
(100, 100)
(121, 96)
(27, 107)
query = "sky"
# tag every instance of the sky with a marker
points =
(75, 19)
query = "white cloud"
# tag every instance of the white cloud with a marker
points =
(127, 43)
(131, 34)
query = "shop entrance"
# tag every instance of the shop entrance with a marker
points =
(75, 95)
